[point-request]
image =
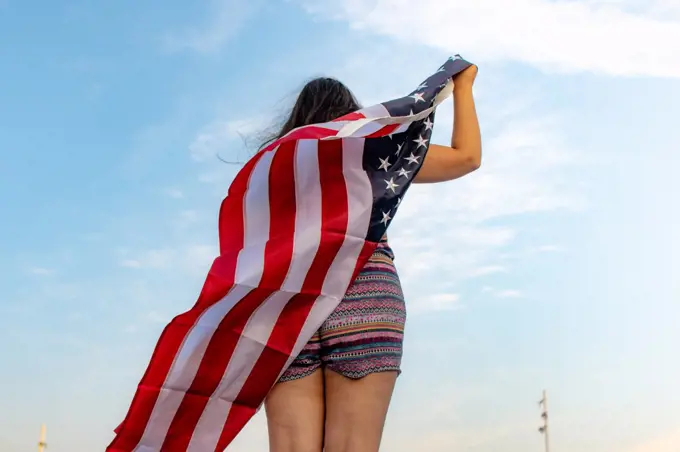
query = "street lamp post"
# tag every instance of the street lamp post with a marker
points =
(544, 415)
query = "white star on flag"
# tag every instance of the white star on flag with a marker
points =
(391, 185)
(399, 147)
(418, 97)
(428, 124)
(421, 141)
(386, 218)
(384, 163)
(404, 173)
(412, 159)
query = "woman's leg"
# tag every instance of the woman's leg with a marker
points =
(361, 346)
(356, 411)
(295, 414)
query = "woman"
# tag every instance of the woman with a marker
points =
(335, 395)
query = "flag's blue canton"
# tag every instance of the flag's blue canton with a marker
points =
(392, 162)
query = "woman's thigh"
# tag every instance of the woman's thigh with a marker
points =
(356, 410)
(361, 348)
(295, 414)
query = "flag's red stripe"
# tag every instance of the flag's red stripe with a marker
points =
(313, 132)
(278, 256)
(231, 232)
(366, 252)
(217, 284)
(384, 131)
(350, 117)
(334, 220)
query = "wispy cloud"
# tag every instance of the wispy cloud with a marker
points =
(546, 249)
(175, 193)
(488, 270)
(561, 36)
(226, 19)
(435, 303)
(192, 259)
(41, 271)
(188, 218)
(503, 293)
(219, 137)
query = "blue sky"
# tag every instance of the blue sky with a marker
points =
(551, 267)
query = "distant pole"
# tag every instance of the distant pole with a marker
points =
(42, 444)
(544, 415)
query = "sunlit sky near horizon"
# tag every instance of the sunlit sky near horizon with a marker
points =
(554, 266)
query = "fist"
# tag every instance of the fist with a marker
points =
(467, 77)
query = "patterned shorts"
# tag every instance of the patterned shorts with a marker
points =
(364, 334)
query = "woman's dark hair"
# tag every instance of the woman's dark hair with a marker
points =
(321, 100)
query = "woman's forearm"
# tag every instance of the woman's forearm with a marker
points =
(466, 136)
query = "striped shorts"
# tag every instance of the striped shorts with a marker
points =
(364, 334)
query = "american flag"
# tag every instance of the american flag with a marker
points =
(300, 220)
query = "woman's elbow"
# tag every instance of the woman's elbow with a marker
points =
(474, 161)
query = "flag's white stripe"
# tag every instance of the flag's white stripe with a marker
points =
(402, 128)
(333, 125)
(256, 229)
(306, 242)
(374, 111)
(190, 355)
(368, 129)
(360, 201)
(143, 448)
(307, 215)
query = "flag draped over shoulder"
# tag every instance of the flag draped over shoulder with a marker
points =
(300, 220)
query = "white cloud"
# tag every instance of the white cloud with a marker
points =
(546, 249)
(488, 270)
(152, 259)
(156, 317)
(220, 137)
(562, 36)
(435, 303)
(503, 293)
(509, 293)
(131, 263)
(42, 271)
(227, 18)
(175, 193)
(659, 9)
(192, 259)
(188, 218)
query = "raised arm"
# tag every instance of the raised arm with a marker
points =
(444, 163)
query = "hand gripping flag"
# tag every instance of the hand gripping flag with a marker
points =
(300, 220)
